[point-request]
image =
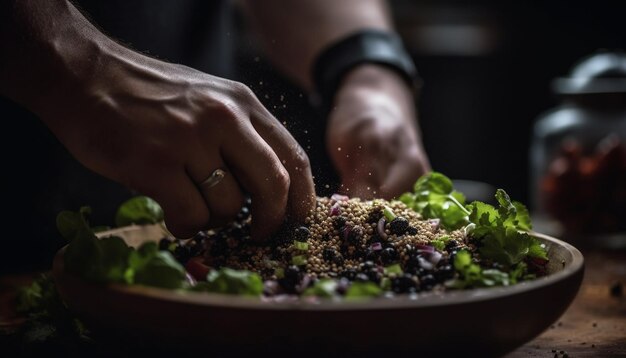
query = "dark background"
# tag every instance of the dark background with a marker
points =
(486, 66)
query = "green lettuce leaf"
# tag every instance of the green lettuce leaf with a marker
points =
(229, 281)
(140, 210)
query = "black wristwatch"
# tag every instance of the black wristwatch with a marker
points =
(366, 46)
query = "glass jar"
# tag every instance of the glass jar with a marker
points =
(578, 153)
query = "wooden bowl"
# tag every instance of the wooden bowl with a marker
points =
(481, 322)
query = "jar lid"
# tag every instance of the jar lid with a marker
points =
(603, 72)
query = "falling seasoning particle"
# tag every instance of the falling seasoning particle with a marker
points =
(257, 59)
(595, 324)
(267, 97)
(339, 149)
(327, 186)
(260, 83)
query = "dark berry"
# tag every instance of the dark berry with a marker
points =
(350, 274)
(302, 233)
(399, 225)
(427, 281)
(374, 275)
(355, 235)
(164, 244)
(329, 254)
(376, 238)
(452, 245)
(403, 284)
(243, 214)
(361, 277)
(444, 273)
(371, 255)
(374, 216)
(182, 254)
(411, 230)
(339, 222)
(367, 265)
(388, 255)
(200, 237)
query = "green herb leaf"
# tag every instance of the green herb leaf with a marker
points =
(299, 245)
(363, 289)
(502, 231)
(151, 267)
(140, 210)
(229, 281)
(323, 288)
(440, 242)
(435, 198)
(298, 260)
(395, 269)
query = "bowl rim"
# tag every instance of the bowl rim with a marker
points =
(422, 300)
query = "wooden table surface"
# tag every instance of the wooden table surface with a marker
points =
(593, 326)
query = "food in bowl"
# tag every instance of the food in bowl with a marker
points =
(427, 240)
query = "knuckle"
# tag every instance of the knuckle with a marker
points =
(300, 158)
(241, 91)
(282, 180)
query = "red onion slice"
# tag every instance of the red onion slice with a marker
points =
(434, 257)
(339, 197)
(335, 209)
(381, 228)
(426, 265)
(377, 246)
(424, 248)
(190, 279)
(434, 223)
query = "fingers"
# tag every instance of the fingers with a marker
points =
(225, 199)
(260, 173)
(184, 208)
(301, 198)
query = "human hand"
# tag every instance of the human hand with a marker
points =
(162, 129)
(372, 134)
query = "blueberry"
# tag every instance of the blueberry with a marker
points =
(399, 225)
(302, 233)
(291, 278)
(388, 255)
(361, 277)
(339, 222)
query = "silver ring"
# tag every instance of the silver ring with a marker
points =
(213, 179)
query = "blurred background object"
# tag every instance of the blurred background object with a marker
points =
(578, 154)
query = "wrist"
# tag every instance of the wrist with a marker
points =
(376, 84)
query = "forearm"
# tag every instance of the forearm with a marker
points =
(294, 32)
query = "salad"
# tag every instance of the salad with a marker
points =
(426, 240)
